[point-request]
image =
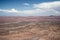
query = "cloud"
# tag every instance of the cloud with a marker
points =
(42, 9)
(52, 7)
(47, 5)
(17, 11)
(10, 11)
(26, 4)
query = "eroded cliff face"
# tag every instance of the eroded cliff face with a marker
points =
(31, 31)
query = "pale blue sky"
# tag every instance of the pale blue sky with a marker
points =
(29, 7)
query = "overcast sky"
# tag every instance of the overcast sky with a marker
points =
(29, 7)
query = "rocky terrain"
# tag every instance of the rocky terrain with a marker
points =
(30, 28)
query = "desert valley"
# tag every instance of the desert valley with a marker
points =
(30, 28)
